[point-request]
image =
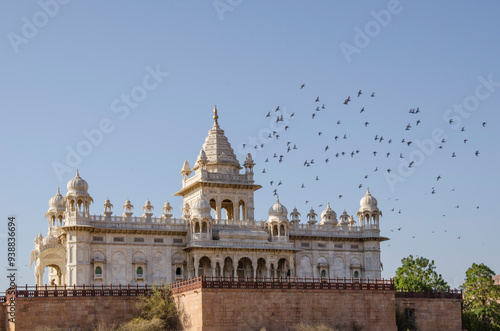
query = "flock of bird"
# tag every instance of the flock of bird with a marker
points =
(332, 149)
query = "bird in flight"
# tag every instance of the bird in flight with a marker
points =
(346, 101)
(477, 153)
(359, 93)
(302, 86)
(317, 99)
(373, 95)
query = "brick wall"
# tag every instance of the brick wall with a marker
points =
(237, 309)
(434, 314)
(72, 313)
(248, 309)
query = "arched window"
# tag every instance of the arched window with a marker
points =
(98, 270)
(356, 274)
(139, 270)
(204, 228)
(323, 273)
(178, 271)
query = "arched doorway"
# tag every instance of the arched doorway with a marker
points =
(261, 268)
(245, 268)
(283, 270)
(54, 275)
(205, 267)
(227, 206)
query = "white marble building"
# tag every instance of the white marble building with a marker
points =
(81, 248)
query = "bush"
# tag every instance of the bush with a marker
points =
(158, 311)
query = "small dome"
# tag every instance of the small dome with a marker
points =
(200, 208)
(328, 215)
(50, 240)
(368, 201)
(200, 204)
(77, 185)
(249, 161)
(147, 206)
(278, 209)
(57, 202)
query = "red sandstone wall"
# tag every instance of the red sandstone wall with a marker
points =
(190, 304)
(3, 313)
(68, 312)
(434, 314)
(282, 310)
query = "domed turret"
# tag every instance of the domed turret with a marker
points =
(295, 217)
(368, 202)
(127, 209)
(77, 185)
(312, 217)
(328, 216)
(77, 200)
(344, 218)
(368, 213)
(57, 209)
(249, 164)
(148, 211)
(56, 203)
(278, 209)
(167, 209)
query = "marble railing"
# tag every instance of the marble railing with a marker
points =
(179, 224)
(217, 243)
(216, 176)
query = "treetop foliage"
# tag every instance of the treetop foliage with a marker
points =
(481, 299)
(418, 274)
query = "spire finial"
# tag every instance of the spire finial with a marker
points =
(215, 116)
(367, 190)
(58, 191)
(77, 174)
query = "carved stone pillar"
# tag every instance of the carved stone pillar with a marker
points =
(219, 209)
(292, 265)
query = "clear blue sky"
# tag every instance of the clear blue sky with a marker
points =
(64, 73)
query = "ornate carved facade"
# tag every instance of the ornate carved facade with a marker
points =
(81, 248)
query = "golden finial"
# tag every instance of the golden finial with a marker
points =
(215, 115)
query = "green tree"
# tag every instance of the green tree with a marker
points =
(158, 311)
(481, 299)
(418, 275)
